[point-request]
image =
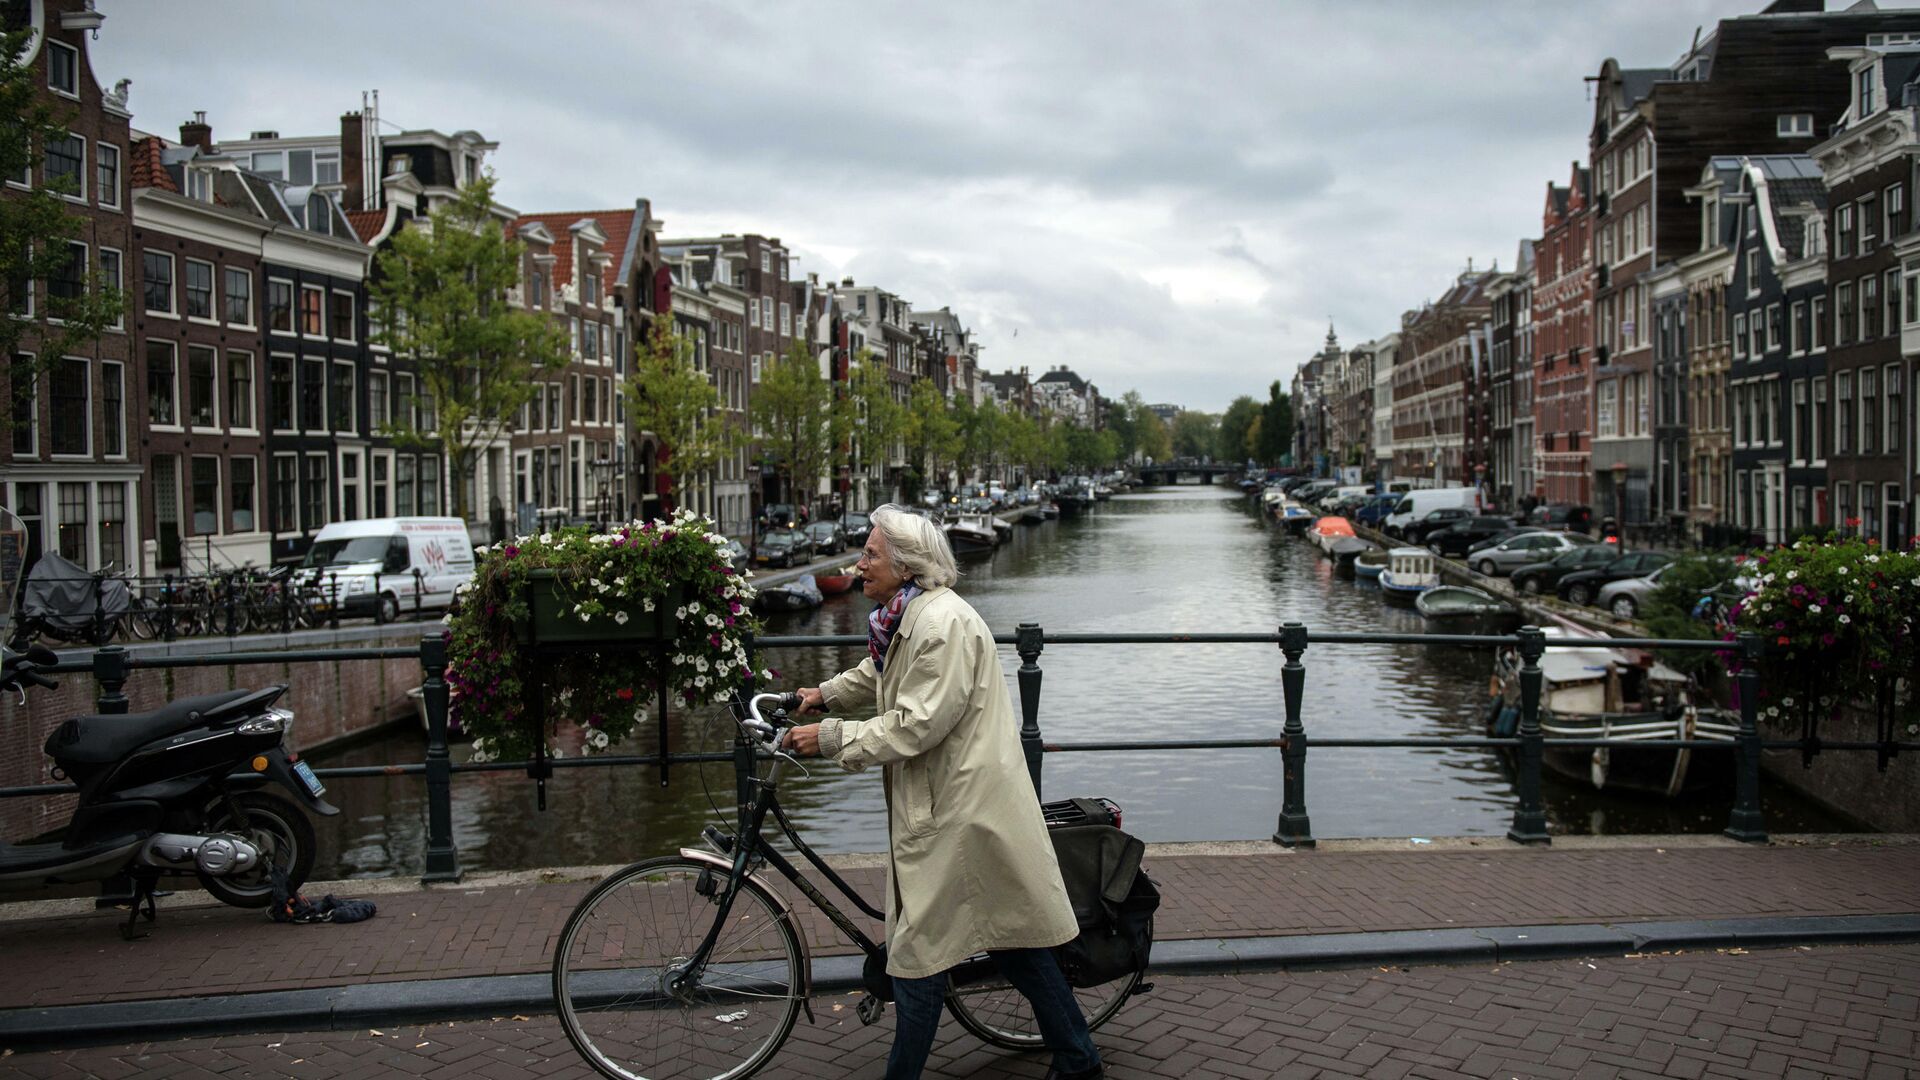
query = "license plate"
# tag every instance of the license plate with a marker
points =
(305, 772)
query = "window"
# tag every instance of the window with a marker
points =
(1822, 431)
(286, 492)
(311, 299)
(71, 423)
(157, 281)
(113, 524)
(403, 501)
(239, 296)
(376, 400)
(1797, 448)
(1794, 125)
(1817, 323)
(340, 396)
(239, 389)
(539, 289)
(1894, 205)
(106, 174)
(206, 496)
(70, 281)
(313, 394)
(1869, 442)
(1797, 329)
(349, 486)
(241, 492)
(1869, 222)
(162, 386)
(113, 408)
(1864, 82)
(199, 282)
(429, 484)
(1889, 315)
(326, 167)
(592, 413)
(1604, 400)
(1843, 231)
(1893, 418)
(280, 393)
(766, 316)
(313, 503)
(766, 262)
(269, 163)
(66, 166)
(201, 381)
(573, 398)
(73, 523)
(1844, 327)
(382, 466)
(112, 277)
(589, 341)
(1843, 417)
(63, 68)
(1869, 307)
(343, 324)
(1739, 337)
(786, 319)
(554, 419)
(753, 312)
(280, 306)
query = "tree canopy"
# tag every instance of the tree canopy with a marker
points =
(672, 398)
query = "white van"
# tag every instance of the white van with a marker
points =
(1419, 502)
(375, 562)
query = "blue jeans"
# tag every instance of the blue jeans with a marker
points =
(917, 1005)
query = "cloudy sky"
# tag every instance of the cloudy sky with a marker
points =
(1169, 198)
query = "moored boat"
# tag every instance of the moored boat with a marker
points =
(797, 595)
(1410, 571)
(1456, 609)
(1368, 564)
(1324, 531)
(969, 535)
(836, 583)
(1344, 551)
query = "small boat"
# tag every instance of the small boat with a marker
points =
(1326, 530)
(1049, 510)
(1593, 691)
(1456, 609)
(1102, 492)
(1410, 571)
(969, 535)
(1343, 551)
(1369, 564)
(1001, 526)
(836, 583)
(797, 595)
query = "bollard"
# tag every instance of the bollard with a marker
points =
(418, 587)
(1529, 817)
(1746, 822)
(379, 606)
(1029, 639)
(1295, 830)
(110, 671)
(443, 857)
(333, 601)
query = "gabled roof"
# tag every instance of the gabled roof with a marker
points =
(148, 168)
(367, 224)
(613, 224)
(1064, 376)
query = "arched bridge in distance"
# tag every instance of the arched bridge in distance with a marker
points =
(1175, 472)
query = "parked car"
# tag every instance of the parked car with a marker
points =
(1624, 599)
(390, 563)
(1458, 538)
(1374, 509)
(737, 554)
(828, 537)
(781, 547)
(779, 515)
(1582, 586)
(1416, 532)
(857, 525)
(1562, 516)
(1416, 505)
(1530, 546)
(1543, 577)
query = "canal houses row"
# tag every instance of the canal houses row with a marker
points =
(1722, 328)
(246, 400)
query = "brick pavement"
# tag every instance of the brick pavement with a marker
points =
(458, 932)
(1849, 1012)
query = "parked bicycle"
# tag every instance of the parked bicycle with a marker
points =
(63, 602)
(691, 965)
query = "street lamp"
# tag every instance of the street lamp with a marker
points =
(601, 469)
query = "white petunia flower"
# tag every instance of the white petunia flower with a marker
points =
(1813, 609)
(621, 617)
(646, 604)
(1845, 619)
(693, 608)
(1843, 569)
(700, 682)
(546, 538)
(598, 740)
(680, 612)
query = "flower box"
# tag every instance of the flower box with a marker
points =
(552, 620)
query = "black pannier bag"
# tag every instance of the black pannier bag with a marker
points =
(1113, 898)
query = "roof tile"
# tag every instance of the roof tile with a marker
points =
(148, 170)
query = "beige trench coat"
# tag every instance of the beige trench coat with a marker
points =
(972, 867)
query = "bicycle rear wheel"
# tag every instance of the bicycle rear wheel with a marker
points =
(998, 1014)
(626, 1005)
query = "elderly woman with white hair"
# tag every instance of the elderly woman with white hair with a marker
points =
(972, 869)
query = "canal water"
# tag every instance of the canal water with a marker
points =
(1165, 560)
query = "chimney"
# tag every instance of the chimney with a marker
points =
(353, 161)
(196, 132)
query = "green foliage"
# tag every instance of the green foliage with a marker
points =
(670, 397)
(1276, 427)
(796, 418)
(439, 294)
(1691, 602)
(597, 698)
(875, 422)
(1838, 618)
(1236, 424)
(1154, 441)
(931, 432)
(35, 226)
(1194, 434)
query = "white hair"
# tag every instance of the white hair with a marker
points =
(916, 546)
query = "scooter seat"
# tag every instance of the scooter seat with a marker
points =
(104, 739)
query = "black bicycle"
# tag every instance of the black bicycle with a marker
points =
(693, 966)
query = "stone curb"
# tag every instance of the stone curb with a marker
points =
(427, 1000)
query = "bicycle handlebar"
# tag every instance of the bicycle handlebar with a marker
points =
(768, 730)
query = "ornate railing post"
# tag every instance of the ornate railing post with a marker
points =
(1529, 817)
(1746, 822)
(1028, 641)
(110, 671)
(1294, 829)
(443, 857)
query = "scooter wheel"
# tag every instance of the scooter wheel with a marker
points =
(282, 833)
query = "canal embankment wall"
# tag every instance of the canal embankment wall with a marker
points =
(1849, 782)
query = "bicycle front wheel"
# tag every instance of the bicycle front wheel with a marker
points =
(628, 1002)
(998, 1014)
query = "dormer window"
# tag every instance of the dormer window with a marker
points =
(1864, 93)
(1794, 125)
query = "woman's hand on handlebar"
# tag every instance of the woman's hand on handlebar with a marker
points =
(811, 700)
(804, 740)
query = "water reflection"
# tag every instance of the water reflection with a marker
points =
(1172, 559)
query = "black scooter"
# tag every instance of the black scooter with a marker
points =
(173, 791)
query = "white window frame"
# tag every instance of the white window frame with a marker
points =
(219, 494)
(33, 421)
(226, 274)
(353, 322)
(299, 295)
(215, 283)
(57, 48)
(1817, 421)
(1793, 125)
(1773, 327)
(375, 423)
(86, 163)
(120, 281)
(1796, 437)
(1796, 313)
(179, 403)
(86, 268)
(215, 392)
(173, 285)
(108, 200)
(293, 307)
(253, 381)
(121, 420)
(83, 455)
(1890, 411)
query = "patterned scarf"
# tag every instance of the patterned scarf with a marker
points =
(884, 620)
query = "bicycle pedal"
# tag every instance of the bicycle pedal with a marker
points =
(1140, 988)
(870, 1009)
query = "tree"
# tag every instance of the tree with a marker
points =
(670, 397)
(796, 420)
(1154, 441)
(875, 421)
(1230, 443)
(1126, 419)
(1276, 426)
(439, 298)
(1193, 434)
(931, 434)
(35, 227)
